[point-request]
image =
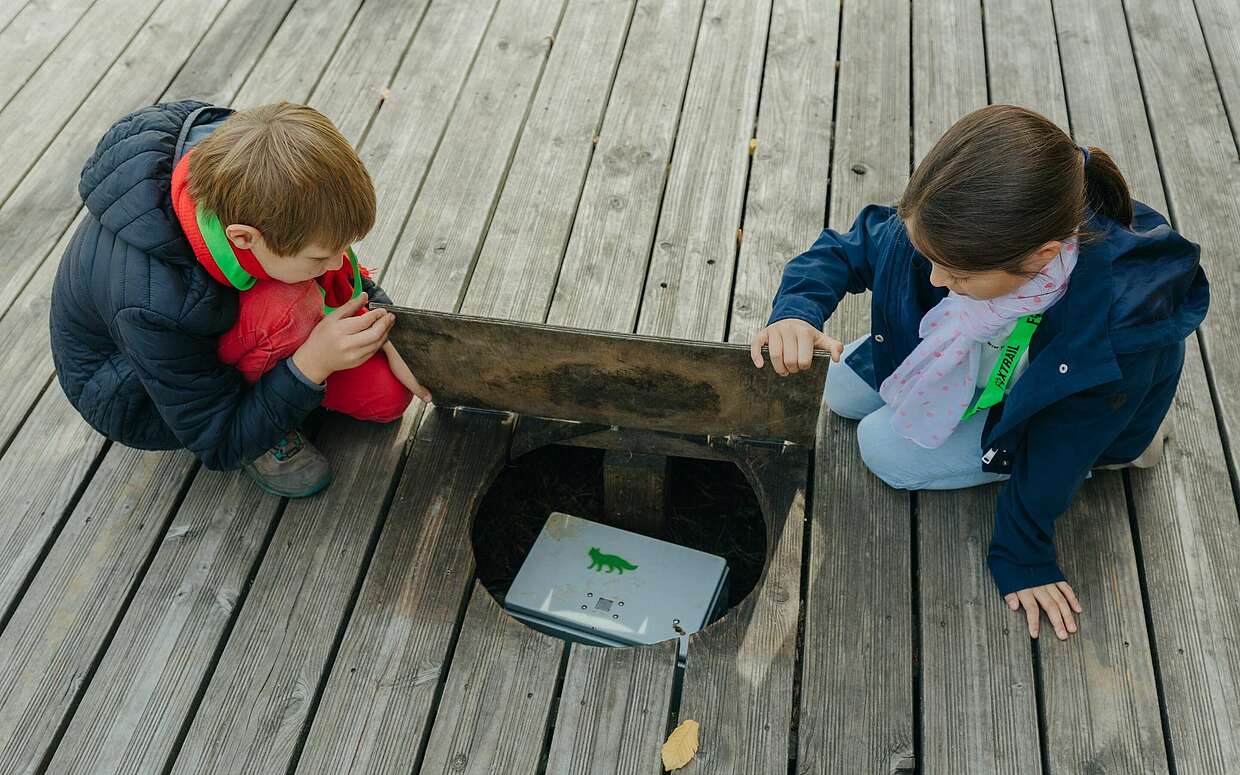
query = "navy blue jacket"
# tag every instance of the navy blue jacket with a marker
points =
(1103, 364)
(135, 318)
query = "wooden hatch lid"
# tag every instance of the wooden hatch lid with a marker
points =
(629, 381)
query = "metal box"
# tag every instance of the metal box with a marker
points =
(596, 584)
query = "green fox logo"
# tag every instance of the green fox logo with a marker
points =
(608, 562)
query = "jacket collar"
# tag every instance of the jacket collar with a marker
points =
(1072, 350)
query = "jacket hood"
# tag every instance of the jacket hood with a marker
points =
(126, 183)
(1159, 291)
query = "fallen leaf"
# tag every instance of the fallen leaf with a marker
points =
(383, 95)
(681, 745)
(753, 145)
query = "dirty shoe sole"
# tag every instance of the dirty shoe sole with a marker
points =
(314, 489)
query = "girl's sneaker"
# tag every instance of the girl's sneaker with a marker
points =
(1153, 454)
(291, 469)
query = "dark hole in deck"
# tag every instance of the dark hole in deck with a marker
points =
(711, 508)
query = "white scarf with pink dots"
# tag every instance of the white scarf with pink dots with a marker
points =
(933, 387)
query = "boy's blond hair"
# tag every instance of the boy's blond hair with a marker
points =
(288, 172)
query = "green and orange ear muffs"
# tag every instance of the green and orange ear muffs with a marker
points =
(240, 268)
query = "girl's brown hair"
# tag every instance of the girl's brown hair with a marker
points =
(286, 171)
(1002, 182)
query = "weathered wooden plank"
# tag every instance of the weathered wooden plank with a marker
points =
(978, 705)
(353, 86)
(949, 68)
(1189, 541)
(1098, 690)
(614, 702)
(9, 11)
(30, 36)
(639, 382)
(135, 710)
(342, 736)
(57, 449)
(604, 267)
(51, 644)
(740, 668)
(739, 677)
(445, 231)
(1220, 23)
(40, 208)
(289, 66)
(264, 687)
(612, 706)
(1104, 111)
(131, 715)
(478, 731)
(691, 269)
(219, 67)
(1022, 54)
(1200, 171)
(1187, 523)
(45, 202)
(857, 681)
(30, 120)
(25, 348)
(155, 709)
(497, 697)
(408, 129)
(979, 710)
(377, 705)
(520, 258)
(791, 161)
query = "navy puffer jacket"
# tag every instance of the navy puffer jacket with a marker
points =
(135, 318)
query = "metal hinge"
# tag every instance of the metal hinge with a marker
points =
(459, 410)
(753, 441)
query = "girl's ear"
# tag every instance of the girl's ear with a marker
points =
(243, 236)
(1038, 260)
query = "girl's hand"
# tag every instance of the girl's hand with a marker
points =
(343, 340)
(402, 372)
(792, 343)
(1058, 600)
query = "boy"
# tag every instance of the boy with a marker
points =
(207, 301)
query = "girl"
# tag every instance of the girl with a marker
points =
(1027, 324)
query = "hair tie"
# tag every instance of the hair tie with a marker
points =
(1084, 152)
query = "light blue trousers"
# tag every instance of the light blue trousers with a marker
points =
(894, 459)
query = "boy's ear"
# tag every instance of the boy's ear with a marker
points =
(243, 236)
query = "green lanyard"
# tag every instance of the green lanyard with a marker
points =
(1001, 376)
(220, 248)
(357, 282)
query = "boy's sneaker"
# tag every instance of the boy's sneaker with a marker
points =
(292, 469)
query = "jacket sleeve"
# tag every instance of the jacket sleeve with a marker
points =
(208, 405)
(816, 281)
(373, 290)
(1062, 444)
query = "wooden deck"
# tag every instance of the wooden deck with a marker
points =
(590, 163)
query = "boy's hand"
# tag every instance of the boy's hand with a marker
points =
(343, 340)
(1058, 600)
(402, 372)
(792, 343)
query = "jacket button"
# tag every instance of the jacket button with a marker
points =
(878, 338)
(1063, 368)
